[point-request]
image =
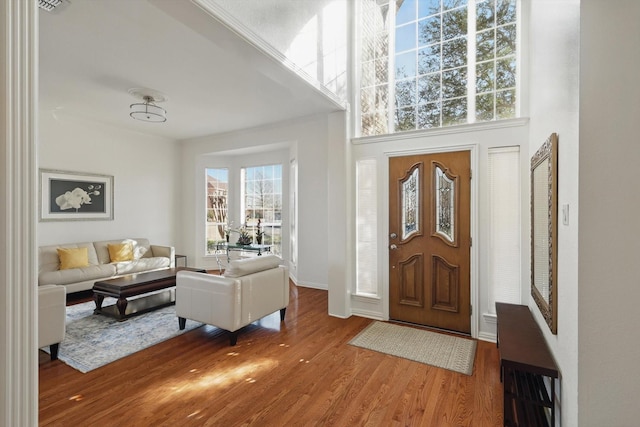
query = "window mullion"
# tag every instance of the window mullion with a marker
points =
(471, 61)
(391, 66)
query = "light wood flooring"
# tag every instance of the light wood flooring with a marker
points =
(298, 373)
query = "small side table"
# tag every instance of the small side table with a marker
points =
(177, 257)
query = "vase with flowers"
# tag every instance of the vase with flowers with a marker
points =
(244, 238)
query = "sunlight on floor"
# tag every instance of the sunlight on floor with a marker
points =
(215, 378)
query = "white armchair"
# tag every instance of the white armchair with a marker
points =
(52, 313)
(249, 290)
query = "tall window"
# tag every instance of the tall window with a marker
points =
(217, 206)
(262, 203)
(366, 228)
(436, 63)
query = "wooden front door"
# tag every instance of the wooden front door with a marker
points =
(430, 240)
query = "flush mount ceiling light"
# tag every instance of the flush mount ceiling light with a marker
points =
(148, 111)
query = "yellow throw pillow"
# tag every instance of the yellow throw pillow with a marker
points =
(121, 252)
(73, 258)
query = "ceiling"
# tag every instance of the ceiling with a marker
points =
(93, 51)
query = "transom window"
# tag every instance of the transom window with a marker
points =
(436, 63)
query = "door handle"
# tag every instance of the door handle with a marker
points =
(393, 235)
(393, 247)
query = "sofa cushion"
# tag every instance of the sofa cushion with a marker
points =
(73, 257)
(49, 261)
(242, 267)
(120, 252)
(62, 277)
(141, 248)
(143, 264)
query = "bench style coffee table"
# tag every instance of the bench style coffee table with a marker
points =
(137, 284)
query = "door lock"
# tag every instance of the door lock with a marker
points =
(393, 247)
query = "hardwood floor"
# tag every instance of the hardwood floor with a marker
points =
(298, 373)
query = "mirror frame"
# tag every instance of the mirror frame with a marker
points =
(549, 306)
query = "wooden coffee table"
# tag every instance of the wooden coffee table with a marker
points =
(137, 284)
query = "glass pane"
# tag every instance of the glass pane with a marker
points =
(506, 40)
(506, 73)
(454, 53)
(484, 15)
(505, 11)
(406, 37)
(428, 7)
(429, 59)
(405, 119)
(505, 104)
(454, 83)
(410, 204)
(406, 65)
(445, 206)
(382, 70)
(485, 77)
(429, 88)
(450, 4)
(484, 107)
(429, 116)
(405, 92)
(407, 12)
(429, 30)
(485, 45)
(454, 23)
(454, 111)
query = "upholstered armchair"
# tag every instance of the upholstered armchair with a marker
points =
(250, 289)
(52, 311)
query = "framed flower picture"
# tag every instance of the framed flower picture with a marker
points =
(72, 196)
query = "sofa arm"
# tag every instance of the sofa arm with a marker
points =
(209, 299)
(51, 317)
(165, 251)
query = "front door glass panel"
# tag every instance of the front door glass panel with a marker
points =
(444, 192)
(411, 204)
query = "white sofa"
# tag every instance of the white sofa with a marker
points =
(52, 312)
(146, 257)
(250, 289)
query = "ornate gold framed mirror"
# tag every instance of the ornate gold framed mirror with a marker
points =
(544, 230)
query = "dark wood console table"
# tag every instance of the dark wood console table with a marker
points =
(525, 360)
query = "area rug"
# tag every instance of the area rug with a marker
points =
(94, 340)
(431, 348)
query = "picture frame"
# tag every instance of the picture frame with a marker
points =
(75, 196)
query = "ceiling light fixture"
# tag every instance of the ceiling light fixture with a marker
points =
(148, 111)
(49, 5)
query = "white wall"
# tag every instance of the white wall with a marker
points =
(304, 138)
(609, 245)
(554, 47)
(145, 174)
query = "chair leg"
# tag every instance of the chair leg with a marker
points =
(233, 338)
(282, 313)
(53, 348)
(182, 322)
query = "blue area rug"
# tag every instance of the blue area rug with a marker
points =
(94, 340)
